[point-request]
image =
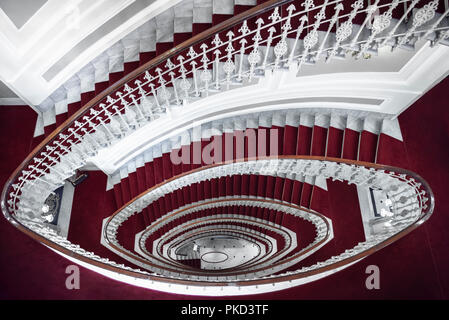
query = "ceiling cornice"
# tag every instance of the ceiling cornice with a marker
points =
(76, 32)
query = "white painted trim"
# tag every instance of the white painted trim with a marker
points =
(284, 90)
(29, 52)
(392, 128)
(65, 210)
(12, 102)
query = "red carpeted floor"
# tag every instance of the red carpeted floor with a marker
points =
(415, 267)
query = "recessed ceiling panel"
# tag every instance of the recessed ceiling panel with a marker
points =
(5, 92)
(20, 11)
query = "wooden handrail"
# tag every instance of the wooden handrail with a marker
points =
(222, 218)
(277, 278)
(150, 264)
(350, 162)
(138, 72)
(225, 232)
(178, 212)
(213, 272)
(303, 157)
(248, 14)
(217, 201)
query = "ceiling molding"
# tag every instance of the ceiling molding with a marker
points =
(73, 34)
(385, 93)
(20, 12)
(12, 102)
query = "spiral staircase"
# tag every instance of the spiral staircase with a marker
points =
(226, 145)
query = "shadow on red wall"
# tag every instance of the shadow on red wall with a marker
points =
(415, 267)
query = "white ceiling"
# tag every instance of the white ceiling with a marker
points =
(5, 92)
(20, 11)
(342, 85)
(36, 34)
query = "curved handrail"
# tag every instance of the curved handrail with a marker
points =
(426, 212)
(225, 219)
(235, 20)
(310, 40)
(222, 231)
(134, 75)
(187, 226)
(181, 211)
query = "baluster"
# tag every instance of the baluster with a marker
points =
(74, 134)
(50, 168)
(311, 38)
(254, 56)
(129, 91)
(243, 30)
(38, 170)
(110, 102)
(345, 29)
(133, 98)
(205, 73)
(62, 136)
(90, 145)
(118, 112)
(60, 155)
(281, 47)
(38, 160)
(392, 32)
(114, 124)
(61, 146)
(131, 116)
(71, 151)
(184, 84)
(88, 120)
(153, 92)
(49, 148)
(339, 7)
(149, 78)
(369, 14)
(164, 94)
(47, 156)
(192, 54)
(76, 151)
(144, 101)
(421, 17)
(271, 30)
(172, 79)
(229, 65)
(85, 118)
(299, 31)
(381, 22)
(217, 59)
(435, 25)
(170, 66)
(216, 42)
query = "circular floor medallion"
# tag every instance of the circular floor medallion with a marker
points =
(214, 257)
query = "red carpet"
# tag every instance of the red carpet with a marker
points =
(414, 267)
(425, 129)
(93, 204)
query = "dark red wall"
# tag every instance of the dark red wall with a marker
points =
(417, 266)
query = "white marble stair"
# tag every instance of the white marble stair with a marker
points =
(139, 46)
(292, 126)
